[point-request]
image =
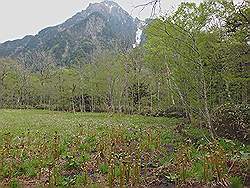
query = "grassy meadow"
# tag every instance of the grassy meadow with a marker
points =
(58, 149)
(44, 121)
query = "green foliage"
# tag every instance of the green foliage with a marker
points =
(236, 182)
(14, 184)
(198, 56)
(104, 168)
(28, 168)
(71, 163)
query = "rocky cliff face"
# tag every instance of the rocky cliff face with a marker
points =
(101, 26)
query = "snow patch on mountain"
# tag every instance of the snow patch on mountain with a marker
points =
(110, 6)
(138, 38)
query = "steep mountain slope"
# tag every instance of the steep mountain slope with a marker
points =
(101, 26)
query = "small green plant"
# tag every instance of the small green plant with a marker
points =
(14, 184)
(183, 162)
(217, 160)
(111, 175)
(122, 175)
(236, 182)
(104, 168)
(71, 163)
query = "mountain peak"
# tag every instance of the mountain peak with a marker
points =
(110, 3)
(100, 27)
(105, 6)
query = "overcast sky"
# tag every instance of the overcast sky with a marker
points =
(27, 17)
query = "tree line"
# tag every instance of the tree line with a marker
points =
(113, 83)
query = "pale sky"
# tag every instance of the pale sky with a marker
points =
(27, 17)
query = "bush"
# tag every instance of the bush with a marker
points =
(176, 111)
(171, 112)
(232, 122)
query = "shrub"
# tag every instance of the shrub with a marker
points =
(232, 121)
(171, 112)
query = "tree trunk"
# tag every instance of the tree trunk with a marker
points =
(138, 94)
(158, 94)
(92, 103)
(73, 105)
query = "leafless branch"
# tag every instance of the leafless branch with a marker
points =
(152, 3)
